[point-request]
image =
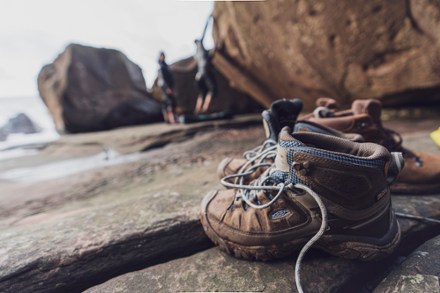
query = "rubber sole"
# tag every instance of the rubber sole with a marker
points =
(339, 245)
(346, 249)
(365, 251)
(260, 253)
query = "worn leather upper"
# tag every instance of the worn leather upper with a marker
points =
(421, 173)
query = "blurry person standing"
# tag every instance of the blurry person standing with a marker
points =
(165, 82)
(205, 78)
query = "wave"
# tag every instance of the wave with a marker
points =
(35, 109)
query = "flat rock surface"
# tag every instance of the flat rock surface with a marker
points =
(81, 166)
(94, 224)
(64, 230)
(213, 270)
(420, 272)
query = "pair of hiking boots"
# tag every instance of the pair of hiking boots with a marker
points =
(316, 182)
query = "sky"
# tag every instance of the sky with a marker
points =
(34, 32)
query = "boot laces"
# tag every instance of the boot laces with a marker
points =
(393, 141)
(268, 144)
(418, 218)
(266, 183)
(258, 157)
(248, 191)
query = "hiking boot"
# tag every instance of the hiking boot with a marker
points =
(326, 102)
(320, 185)
(421, 174)
(281, 113)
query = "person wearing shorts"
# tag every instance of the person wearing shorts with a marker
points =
(205, 79)
(165, 82)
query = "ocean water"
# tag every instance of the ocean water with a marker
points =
(54, 170)
(34, 108)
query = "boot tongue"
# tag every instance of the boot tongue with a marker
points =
(281, 113)
(371, 107)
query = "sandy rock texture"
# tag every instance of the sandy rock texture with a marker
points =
(213, 270)
(117, 211)
(342, 49)
(418, 273)
(127, 211)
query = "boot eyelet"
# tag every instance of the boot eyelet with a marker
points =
(302, 168)
(362, 125)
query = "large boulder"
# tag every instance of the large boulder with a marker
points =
(20, 123)
(228, 98)
(91, 89)
(343, 49)
(3, 135)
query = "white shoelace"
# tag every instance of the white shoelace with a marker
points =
(259, 185)
(418, 218)
(267, 144)
(256, 158)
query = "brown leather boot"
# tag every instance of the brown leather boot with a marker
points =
(314, 175)
(282, 113)
(421, 174)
